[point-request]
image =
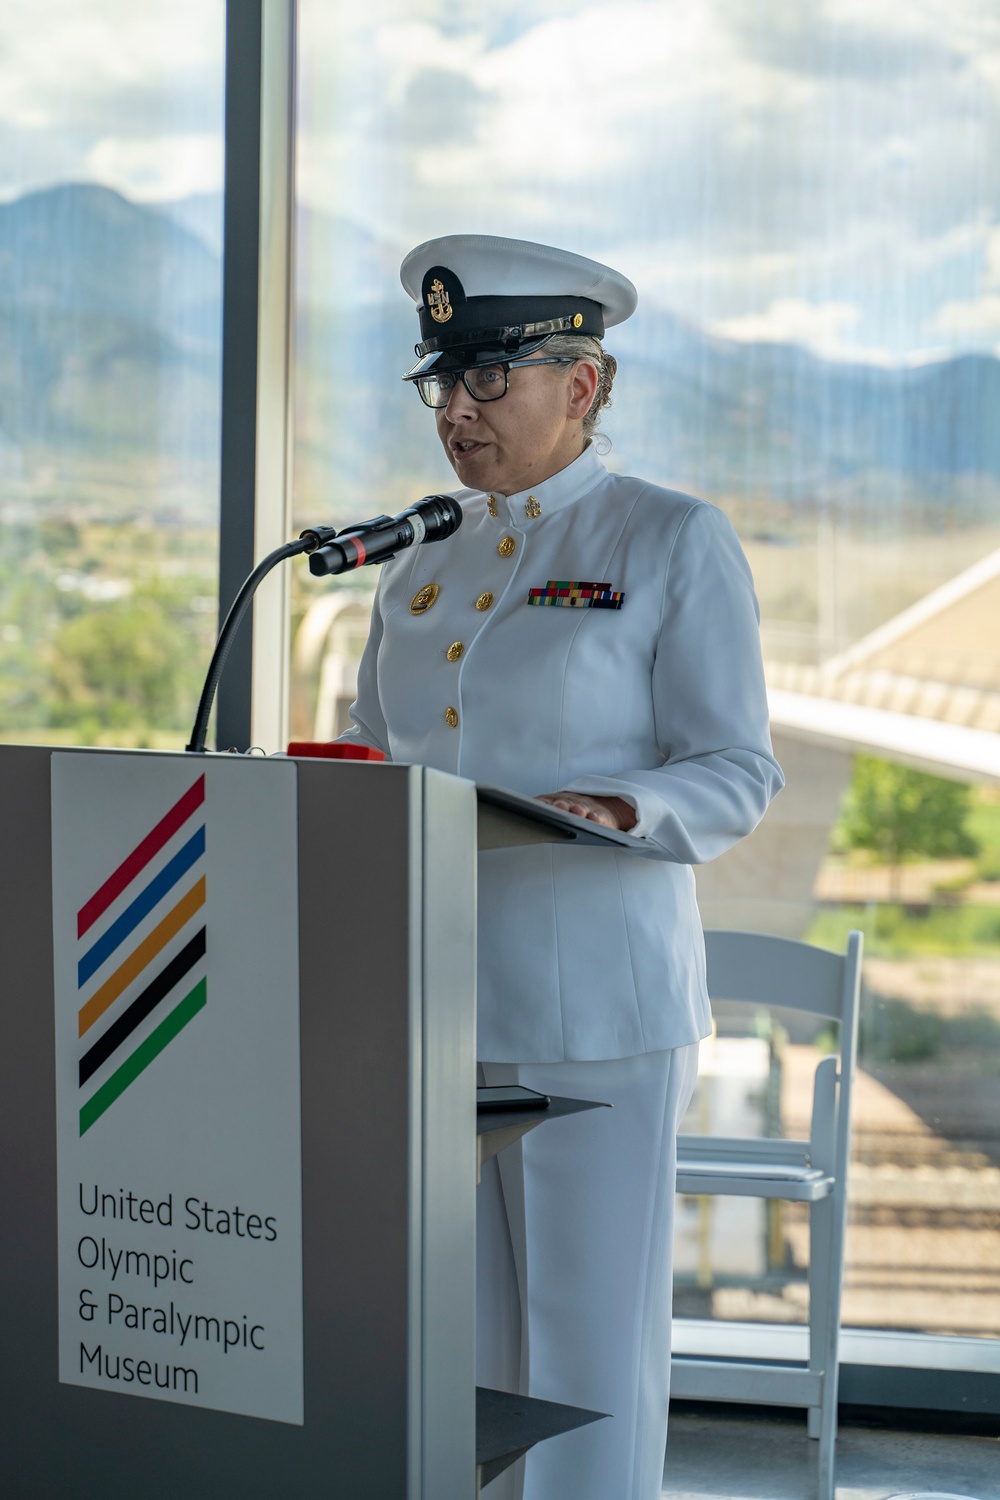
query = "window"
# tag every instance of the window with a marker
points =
(807, 199)
(110, 307)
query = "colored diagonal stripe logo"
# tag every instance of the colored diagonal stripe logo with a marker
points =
(143, 961)
(140, 857)
(142, 1006)
(143, 1055)
(191, 902)
(161, 885)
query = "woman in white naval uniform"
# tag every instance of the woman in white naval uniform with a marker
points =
(591, 639)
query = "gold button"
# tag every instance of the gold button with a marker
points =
(422, 601)
(485, 600)
(454, 651)
(451, 717)
(507, 546)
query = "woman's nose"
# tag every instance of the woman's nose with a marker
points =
(460, 404)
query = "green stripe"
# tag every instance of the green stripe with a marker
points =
(142, 1056)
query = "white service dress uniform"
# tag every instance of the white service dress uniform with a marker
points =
(591, 962)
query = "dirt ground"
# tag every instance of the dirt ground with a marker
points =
(947, 986)
(923, 1242)
(923, 1247)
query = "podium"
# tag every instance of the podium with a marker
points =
(237, 1086)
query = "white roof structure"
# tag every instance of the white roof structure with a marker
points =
(924, 688)
(951, 750)
(950, 635)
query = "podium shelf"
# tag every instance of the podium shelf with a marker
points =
(497, 1129)
(507, 1426)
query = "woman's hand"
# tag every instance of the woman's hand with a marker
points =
(612, 812)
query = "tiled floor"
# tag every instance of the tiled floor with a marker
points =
(769, 1457)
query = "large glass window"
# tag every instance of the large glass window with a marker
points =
(808, 199)
(110, 322)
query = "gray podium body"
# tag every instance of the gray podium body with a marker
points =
(386, 873)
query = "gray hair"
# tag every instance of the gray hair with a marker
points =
(583, 346)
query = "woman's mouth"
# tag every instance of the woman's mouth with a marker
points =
(466, 448)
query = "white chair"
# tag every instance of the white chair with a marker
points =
(771, 971)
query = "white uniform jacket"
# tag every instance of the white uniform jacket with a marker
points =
(583, 953)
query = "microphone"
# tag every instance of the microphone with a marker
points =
(430, 520)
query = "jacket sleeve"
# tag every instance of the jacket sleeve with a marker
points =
(709, 702)
(366, 711)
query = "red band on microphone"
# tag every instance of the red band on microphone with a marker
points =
(359, 548)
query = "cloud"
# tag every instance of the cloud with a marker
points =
(724, 154)
(790, 320)
(170, 166)
(58, 52)
(732, 156)
(74, 77)
(828, 329)
(975, 315)
(868, 40)
(992, 257)
(574, 101)
(655, 121)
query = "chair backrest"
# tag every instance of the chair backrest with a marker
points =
(763, 970)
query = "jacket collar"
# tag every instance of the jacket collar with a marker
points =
(554, 493)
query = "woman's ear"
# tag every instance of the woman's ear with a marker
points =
(582, 389)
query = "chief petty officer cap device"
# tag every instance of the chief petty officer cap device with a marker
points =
(482, 299)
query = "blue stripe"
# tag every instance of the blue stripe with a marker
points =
(143, 904)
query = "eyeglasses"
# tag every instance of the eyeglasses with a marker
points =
(483, 382)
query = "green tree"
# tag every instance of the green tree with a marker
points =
(126, 665)
(899, 812)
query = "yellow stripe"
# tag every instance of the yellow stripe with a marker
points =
(141, 956)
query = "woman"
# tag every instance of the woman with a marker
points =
(592, 640)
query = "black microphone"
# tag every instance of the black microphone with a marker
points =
(375, 541)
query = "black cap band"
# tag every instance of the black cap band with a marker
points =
(448, 318)
(507, 338)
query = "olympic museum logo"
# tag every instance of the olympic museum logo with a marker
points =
(183, 873)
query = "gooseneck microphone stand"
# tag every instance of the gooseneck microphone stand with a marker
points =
(430, 520)
(307, 542)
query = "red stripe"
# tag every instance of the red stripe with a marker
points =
(140, 856)
(359, 548)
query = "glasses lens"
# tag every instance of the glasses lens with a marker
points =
(484, 383)
(487, 382)
(436, 389)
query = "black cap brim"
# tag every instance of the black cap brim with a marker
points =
(454, 361)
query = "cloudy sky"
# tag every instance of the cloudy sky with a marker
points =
(112, 91)
(821, 171)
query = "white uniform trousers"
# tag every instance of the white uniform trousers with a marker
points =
(574, 1271)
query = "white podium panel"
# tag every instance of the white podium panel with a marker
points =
(178, 1101)
(237, 1096)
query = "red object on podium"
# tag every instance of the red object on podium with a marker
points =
(325, 751)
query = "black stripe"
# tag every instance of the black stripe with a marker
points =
(141, 1006)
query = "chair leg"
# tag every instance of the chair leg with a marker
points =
(828, 1439)
(820, 1297)
(814, 1421)
(829, 1335)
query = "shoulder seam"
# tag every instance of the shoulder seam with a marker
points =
(695, 505)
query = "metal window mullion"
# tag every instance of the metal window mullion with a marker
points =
(257, 361)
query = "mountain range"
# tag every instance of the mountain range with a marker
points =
(110, 331)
